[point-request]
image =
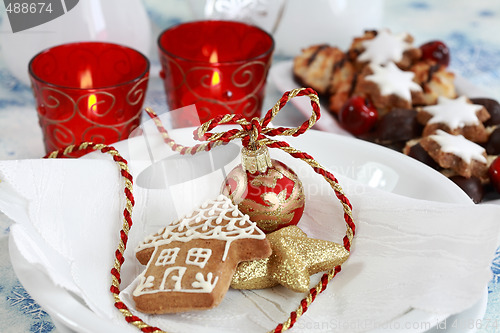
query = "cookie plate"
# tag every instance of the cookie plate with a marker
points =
(399, 174)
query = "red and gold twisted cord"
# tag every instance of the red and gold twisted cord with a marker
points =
(126, 225)
(256, 132)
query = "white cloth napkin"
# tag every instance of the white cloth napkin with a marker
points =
(407, 253)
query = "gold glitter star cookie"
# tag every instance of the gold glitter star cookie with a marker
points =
(294, 258)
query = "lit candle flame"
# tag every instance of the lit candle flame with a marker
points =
(86, 82)
(213, 57)
(92, 103)
(216, 76)
(215, 79)
(86, 79)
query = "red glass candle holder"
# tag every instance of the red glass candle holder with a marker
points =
(220, 66)
(88, 91)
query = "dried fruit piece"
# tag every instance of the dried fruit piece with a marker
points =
(436, 50)
(358, 115)
(494, 172)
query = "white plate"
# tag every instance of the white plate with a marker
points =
(390, 170)
(281, 74)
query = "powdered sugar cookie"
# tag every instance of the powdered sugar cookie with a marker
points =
(387, 86)
(382, 47)
(455, 116)
(455, 152)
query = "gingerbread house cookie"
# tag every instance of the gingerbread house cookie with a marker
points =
(190, 263)
(455, 116)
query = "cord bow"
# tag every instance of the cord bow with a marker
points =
(255, 133)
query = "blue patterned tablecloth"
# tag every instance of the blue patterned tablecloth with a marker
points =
(470, 28)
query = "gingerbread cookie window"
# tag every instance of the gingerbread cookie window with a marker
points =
(167, 257)
(198, 256)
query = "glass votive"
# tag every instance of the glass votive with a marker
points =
(88, 91)
(220, 66)
(265, 14)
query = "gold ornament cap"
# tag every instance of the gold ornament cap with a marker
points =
(256, 160)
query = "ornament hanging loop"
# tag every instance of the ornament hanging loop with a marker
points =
(254, 134)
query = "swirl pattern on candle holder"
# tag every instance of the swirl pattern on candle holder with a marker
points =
(136, 94)
(95, 105)
(58, 134)
(215, 89)
(50, 105)
(90, 91)
(99, 116)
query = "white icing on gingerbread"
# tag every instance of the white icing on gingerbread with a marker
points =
(455, 113)
(175, 274)
(198, 256)
(207, 284)
(216, 219)
(392, 80)
(167, 257)
(459, 146)
(238, 226)
(170, 273)
(384, 48)
(148, 282)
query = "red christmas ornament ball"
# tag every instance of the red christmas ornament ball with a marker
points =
(273, 199)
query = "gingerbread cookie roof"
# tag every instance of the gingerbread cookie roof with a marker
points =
(384, 48)
(215, 219)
